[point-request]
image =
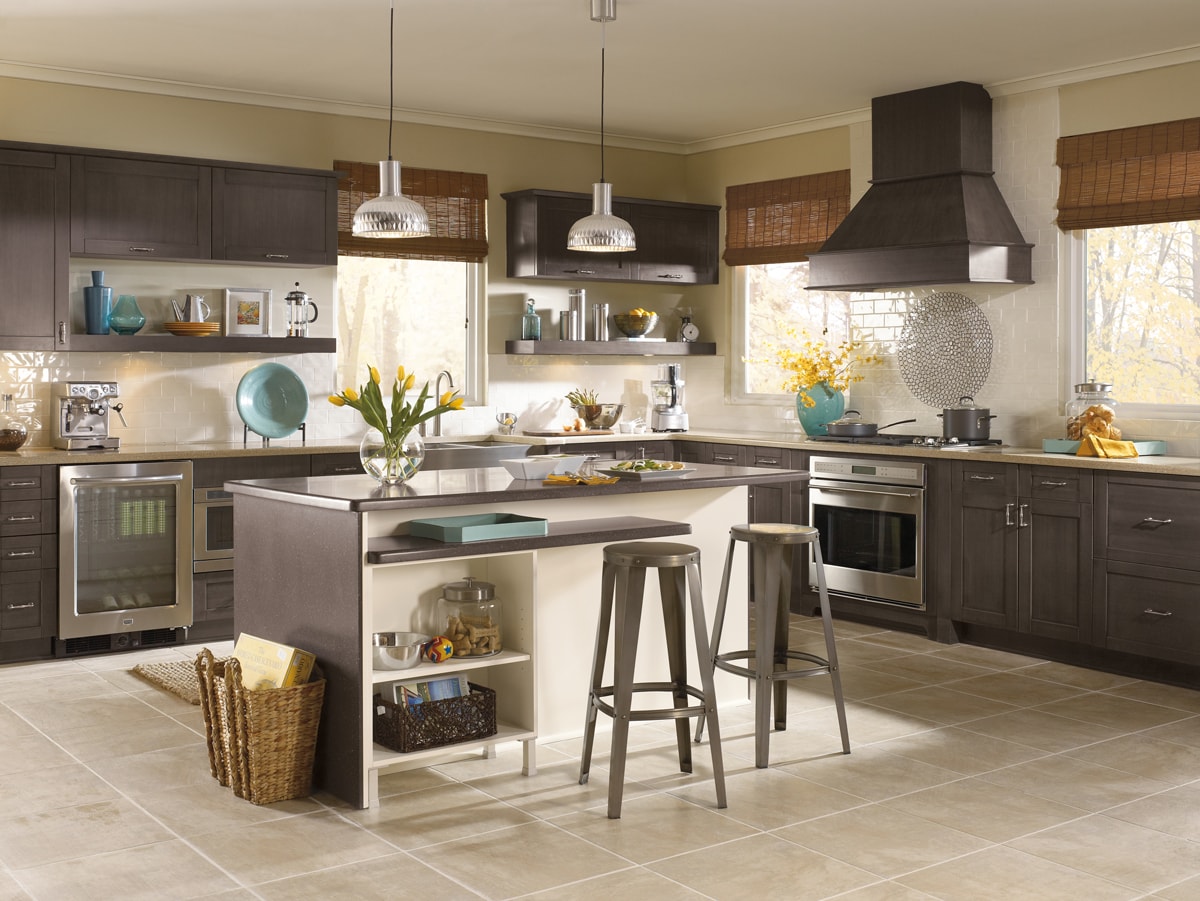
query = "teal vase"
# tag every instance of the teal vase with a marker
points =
(828, 405)
(127, 317)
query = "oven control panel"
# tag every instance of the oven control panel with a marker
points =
(849, 469)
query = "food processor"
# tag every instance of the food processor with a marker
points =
(668, 414)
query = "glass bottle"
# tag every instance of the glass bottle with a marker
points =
(469, 615)
(1094, 410)
(12, 431)
(531, 323)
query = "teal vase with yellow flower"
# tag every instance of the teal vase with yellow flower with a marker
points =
(817, 405)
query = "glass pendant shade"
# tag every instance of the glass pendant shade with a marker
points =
(391, 214)
(601, 232)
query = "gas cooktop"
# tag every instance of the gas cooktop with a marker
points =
(917, 440)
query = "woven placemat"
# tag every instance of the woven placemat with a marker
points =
(176, 676)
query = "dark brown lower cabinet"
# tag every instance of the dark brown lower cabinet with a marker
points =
(1021, 549)
(212, 606)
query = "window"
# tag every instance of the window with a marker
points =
(1140, 314)
(415, 302)
(1130, 199)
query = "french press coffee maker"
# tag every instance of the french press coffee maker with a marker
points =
(299, 308)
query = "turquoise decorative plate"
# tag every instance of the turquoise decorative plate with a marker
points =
(272, 400)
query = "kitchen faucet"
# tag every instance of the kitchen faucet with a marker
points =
(437, 394)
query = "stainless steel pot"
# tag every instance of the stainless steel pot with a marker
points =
(851, 425)
(966, 421)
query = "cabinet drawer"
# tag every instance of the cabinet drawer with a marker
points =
(1153, 524)
(22, 483)
(1058, 484)
(1153, 611)
(27, 552)
(28, 518)
(27, 602)
(336, 465)
(727, 455)
(212, 596)
(986, 478)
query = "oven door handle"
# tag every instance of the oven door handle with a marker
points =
(865, 489)
(126, 480)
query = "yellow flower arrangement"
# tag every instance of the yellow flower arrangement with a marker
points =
(816, 361)
(405, 417)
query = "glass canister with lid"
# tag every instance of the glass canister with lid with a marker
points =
(1093, 411)
(469, 615)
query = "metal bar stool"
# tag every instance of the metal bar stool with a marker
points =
(772, 546)
(623, 580)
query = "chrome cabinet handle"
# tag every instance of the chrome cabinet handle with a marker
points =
(28, 606)
(275, 256)
(1152, 612)
(62, 331)
(141, 250)
(976, 477)
(29, 552)
(724, 458)
(1151, 523)
(21, 517)
(1022, 522)
(13, 483)
(580, 271)
(1047, 483)
(1008, 511)
(669, 275)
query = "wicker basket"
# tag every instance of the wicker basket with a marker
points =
(435, 723)
(261, 743)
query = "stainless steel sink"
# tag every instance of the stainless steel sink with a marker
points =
(470, 454)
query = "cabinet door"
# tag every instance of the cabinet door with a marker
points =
(770, 503)
(340, 464)
(676, 244)
(274, 217)
(140, 208)
(538, 223)
(1149, 610)
(1056, 569)
(34, 222)
(983, 545)
(27, 604)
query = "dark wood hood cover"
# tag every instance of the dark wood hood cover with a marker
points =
(933, 214)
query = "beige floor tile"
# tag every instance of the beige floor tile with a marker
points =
(277, 849)
(957, 749)
(1014, 688)
(860, 683)
(885, 891)
(1078, 783)
(26, 751)
(401, 782)
(157, 770)
(1010, 813)
(1000, 873)
(118, 711)
(521, 860)
(1184, 732)
(654, 827)
(770, 798)
(441, 814)
(204, 807)
(555, 790)
(105, 743)
(37, 669)
(988, 657)
(1156, 693)
(1045, 731)
(882, 840)
(379, 879)
(1188, 890)
(9, 889)
(11, 724)
(868, 724)
(942, 705)
(1080, 677)
(903, 641)
(68, 686)
(872, 773)
(636, 882)
(151, 872)
(928, 668)
(1115, 712)
(1153, 758)
(807, 737)
(763, 867)
(1176, 812)
(67, 833)
(34, 791)
(855, 652)
(1147, 860)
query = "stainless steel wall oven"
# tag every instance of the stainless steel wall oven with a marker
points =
(125, 551)
(871, 516)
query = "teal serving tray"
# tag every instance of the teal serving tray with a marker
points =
(479, 527)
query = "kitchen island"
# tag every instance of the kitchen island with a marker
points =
(324, 562)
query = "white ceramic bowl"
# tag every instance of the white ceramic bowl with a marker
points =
(396, 650)
(538, 466)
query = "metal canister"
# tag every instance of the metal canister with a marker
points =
(577, 304)
(599, 322)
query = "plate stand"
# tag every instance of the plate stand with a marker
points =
(266, 442)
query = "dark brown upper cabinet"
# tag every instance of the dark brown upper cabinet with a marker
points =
(284, 218)
(33, 248)
(140, 208)
(677, 242)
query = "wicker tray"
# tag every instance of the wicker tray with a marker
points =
(435, 723)
(261, 743)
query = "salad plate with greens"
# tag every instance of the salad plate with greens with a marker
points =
(647, 469)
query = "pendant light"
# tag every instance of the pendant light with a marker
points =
(391, 214)
(602, 232)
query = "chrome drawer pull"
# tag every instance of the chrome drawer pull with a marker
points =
(141, 250)
(21, 517)
(1151, 523)
(1153, 612)
(29, 483)
(276, 256)
(1046, 483)
(724, 458)
(975, 477)
(29, 552)
(665, 275)
(28, 606)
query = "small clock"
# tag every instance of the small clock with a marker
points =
(688, 331)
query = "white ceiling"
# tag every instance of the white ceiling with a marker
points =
(682, 74)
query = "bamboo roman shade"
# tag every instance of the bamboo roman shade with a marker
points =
(785, 220)
(1130, 176)
(455, 201)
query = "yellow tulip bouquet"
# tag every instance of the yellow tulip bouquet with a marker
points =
(816, 361)
(397, 460)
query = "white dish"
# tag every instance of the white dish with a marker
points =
(539, 466)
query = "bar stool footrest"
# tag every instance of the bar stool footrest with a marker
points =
(658, 713)
(821, 666)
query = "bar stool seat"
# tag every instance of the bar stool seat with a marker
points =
(623, 580)
(772, 546)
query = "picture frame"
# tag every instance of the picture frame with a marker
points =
(248, 312)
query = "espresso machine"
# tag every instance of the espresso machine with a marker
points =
(82, 415)
(667, 389)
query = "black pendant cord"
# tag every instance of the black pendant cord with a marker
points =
(602, 43)
(392, 76)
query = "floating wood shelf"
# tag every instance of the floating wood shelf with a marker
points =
(614, 348)
(210, 344)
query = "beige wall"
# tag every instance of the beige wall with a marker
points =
(1141, 98)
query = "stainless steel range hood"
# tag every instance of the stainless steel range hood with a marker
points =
(933, 214)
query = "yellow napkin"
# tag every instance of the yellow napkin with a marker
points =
(1091, 446)
(564, 479)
